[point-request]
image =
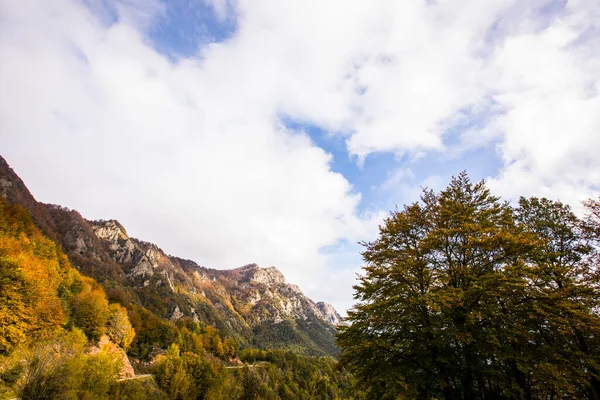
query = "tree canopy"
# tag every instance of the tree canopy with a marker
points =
(464, 296)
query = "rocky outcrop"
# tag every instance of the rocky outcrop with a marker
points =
(5, 185)
(329, 313)
(176, 314)
(140, 260)
(257, 294)
(126, 370)
(267, 295)
(113, 233)
(250, 294)
(270, 276)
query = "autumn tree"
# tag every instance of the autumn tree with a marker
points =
(90, 309)
(31, 271)
(563, 292)
(118, 327)
(460, 299)
(185, 376)
(591, 227)
(250, 384)
(50, 367)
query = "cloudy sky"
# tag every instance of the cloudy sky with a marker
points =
(282, 132)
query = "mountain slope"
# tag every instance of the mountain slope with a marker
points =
(252, 304)
(244, 302)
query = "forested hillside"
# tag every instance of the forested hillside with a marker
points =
(60, 338)
(252, 305)
(70, 322)
(52, 318)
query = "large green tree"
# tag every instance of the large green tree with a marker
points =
(464, 297)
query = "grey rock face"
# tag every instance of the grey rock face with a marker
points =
(4, 185)
(329, 313)
(268, 276)
(262, 294)
(120, 245)
(272, 299)
(176, 314)
(250, 294)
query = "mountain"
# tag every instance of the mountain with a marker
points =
(330, 313)
(253, 305)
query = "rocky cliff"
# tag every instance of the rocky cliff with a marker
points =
(259, 294)
(329, 313)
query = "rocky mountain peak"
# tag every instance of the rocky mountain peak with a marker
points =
(111, 230)
(271, 298)
(330, 314)
(269, 276)
(115, 235)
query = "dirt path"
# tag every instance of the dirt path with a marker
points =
(135, 377)
(246, 365)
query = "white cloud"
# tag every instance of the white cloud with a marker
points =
(193, 155)
(549, 86)
(395, 76)
(402, 187)
(222, 8)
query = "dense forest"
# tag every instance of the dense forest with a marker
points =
(463, 296)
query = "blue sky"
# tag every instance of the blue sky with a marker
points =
(283, 133)
(185, 27)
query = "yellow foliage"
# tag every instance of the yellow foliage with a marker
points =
(40, 293)
(30, 274)
(119, 328)
(90, 309)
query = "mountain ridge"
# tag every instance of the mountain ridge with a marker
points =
(255, 305)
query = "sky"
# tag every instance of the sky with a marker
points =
(283, 132)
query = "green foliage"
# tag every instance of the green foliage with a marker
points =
(187, 376)
(266, 375)
(52, 368)
(59, 368)
(465, 297)
(566, 290)
(250, 384)
(136, 389)
(284, 374)
(309, 337)
(90, 309)
(99, 373)
(153, 335)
